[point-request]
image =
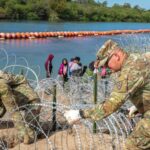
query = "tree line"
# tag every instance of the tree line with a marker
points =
(71, 10)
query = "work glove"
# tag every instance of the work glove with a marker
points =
(132, 110)
(72, 116)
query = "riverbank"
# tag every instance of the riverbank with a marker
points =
(62, 10)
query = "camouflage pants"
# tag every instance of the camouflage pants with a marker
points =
(2, 109)
(140, 137)
(12, 98)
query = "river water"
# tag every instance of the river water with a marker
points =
(36, 51)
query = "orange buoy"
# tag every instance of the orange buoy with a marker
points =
(65, 34)
(8, 35)
(61, 34)
(48, 34)
(23, 35)
(52, 34)
(44, 34)
(40, 35)
(13, 35)
(27, 35)
(2, 35)
(72, 34)
(18, 35)
(36, 34)
(110, 33)
(69, 34)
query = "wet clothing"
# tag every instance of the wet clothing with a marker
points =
(133, 83)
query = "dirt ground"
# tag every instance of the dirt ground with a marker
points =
(68, 140)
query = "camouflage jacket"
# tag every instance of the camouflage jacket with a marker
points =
(12, 79)
(133, 83)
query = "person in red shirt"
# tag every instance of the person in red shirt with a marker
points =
(48, 65)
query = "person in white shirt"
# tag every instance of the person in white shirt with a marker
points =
(76, 66)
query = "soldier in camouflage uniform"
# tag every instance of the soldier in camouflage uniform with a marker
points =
(133, 83)
(15, 92)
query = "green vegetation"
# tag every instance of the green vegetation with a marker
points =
(71, 10)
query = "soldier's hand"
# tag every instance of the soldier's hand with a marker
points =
(72, 116)
(132, 110)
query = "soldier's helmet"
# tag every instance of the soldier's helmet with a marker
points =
(105, 51)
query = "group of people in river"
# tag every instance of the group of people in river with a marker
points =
(75, 68)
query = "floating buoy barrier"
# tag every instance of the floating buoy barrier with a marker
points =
(33, 35)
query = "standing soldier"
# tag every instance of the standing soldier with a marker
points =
(133, 83)
(15, 92)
